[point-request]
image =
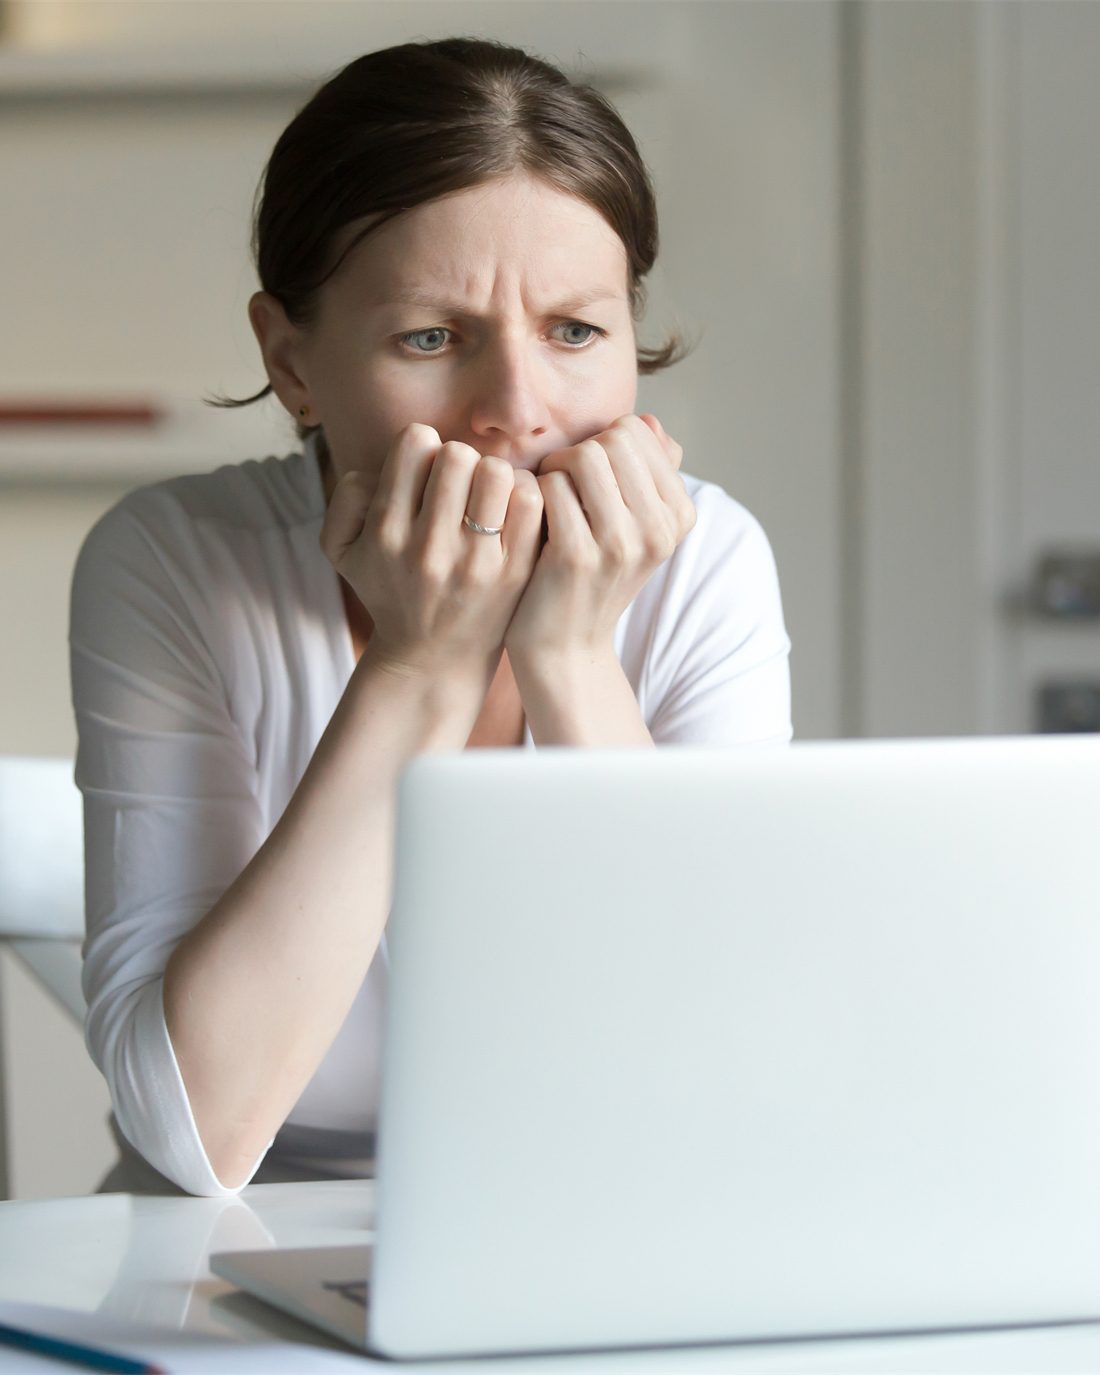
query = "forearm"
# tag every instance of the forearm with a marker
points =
(578, 698)
(255, 994)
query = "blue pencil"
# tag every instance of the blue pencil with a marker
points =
(89, 1356)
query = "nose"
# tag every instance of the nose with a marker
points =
(509, 406)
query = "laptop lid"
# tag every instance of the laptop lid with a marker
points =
(694, 1045)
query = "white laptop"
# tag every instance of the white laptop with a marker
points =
(694, 1046)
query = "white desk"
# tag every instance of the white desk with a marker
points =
(144, 1261)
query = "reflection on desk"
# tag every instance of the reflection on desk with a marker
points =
(143, 1259)
(142, 1262)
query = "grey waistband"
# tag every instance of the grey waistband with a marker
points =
(319, 1143)
(298, 1153)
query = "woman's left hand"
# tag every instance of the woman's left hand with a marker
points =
(615, 509)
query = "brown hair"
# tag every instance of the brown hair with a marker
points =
(404, 125)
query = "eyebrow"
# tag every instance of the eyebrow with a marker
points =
(414, 296)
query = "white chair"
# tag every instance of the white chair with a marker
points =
(41, 887)
(42, 873)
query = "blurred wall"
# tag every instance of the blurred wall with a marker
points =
(137, 232)
(972, 312)
(139, 142)
(864, 214)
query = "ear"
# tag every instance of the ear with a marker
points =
(280, 343)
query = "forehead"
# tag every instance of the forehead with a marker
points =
(516, 234)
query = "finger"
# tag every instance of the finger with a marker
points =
(523, 523)
(644, 430)
(566, 526)
(673, 451)
(615, 486)
(633, 457)
(405, 472)
(490, 490)
(345, 515)
(447, 490)
(652, 489)
(644, 468)
(663, 464)
(601, 499)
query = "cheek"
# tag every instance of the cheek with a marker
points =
(375, 403)
(620, 376)
(610, 391)
(402, 394)
(628, 388)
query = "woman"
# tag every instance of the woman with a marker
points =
(451, 243)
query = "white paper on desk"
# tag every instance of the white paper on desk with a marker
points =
(172, 1350)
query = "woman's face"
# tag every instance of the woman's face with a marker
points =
(500, 316)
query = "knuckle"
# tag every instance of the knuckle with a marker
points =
(659, 545)
(528, 496)
(619, 551)
(498, 469)
(457, 454)
(433, 567)
(631, 428)
(590, 454)
(589, 558)
(418, 433)
(388, 538)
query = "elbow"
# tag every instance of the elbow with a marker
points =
(130, 1043)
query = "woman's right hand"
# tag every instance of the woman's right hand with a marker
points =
(439, 594)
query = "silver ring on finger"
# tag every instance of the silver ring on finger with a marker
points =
(481, 529)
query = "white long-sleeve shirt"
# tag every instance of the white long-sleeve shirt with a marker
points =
(210, 647)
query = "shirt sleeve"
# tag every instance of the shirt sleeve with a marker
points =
(170, 810)
(719, 671)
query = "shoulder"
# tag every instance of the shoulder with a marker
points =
(180, 519)
(237, 498)
(720, 583)
(705, 639)
(184, 559)
(727, 538)
(719, 514)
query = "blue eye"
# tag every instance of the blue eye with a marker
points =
(426, 340)
(571, 327)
